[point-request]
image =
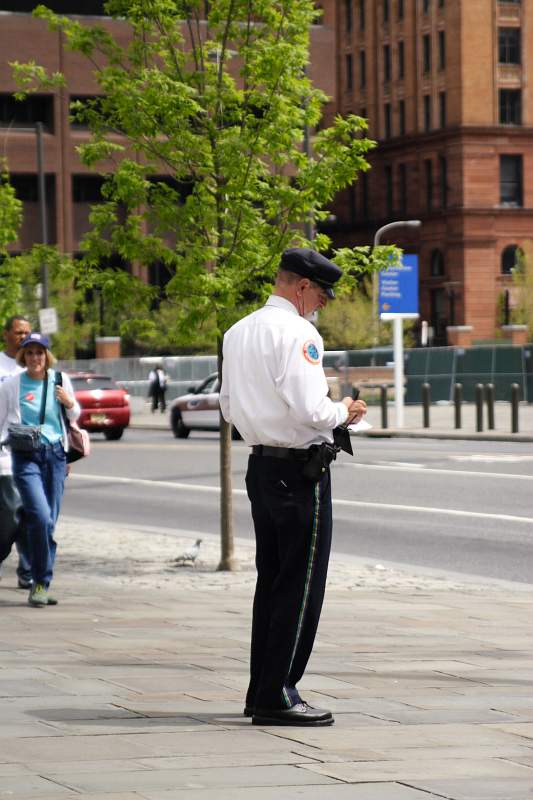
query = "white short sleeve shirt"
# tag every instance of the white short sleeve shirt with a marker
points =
(8, 368)
(274, 389)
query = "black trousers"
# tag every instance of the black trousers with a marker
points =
(292, 520)
(158, 398)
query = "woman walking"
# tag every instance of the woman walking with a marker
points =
(33, 399)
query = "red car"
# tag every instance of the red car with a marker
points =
(105, 407)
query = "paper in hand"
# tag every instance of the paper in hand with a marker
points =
(362, 425)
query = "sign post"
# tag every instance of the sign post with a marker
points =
(398, 300)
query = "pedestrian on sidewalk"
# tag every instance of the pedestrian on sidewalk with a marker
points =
(12, 528)
(31, 400)
(275, 392)
(157, 387)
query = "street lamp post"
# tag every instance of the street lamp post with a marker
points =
(41, 182)
(397, 322)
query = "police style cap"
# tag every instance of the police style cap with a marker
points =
(310, 264)
(36, 338)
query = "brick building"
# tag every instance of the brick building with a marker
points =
(71, 188)
(445, 87)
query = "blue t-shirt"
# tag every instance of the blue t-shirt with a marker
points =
(31, 392)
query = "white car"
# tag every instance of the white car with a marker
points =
(198, 409)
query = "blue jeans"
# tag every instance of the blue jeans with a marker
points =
(40, 479)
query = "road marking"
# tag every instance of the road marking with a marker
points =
(198, 487)
(493, 459)
(421, 469)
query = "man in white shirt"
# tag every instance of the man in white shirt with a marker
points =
(274, 391)
(16, 329)
(157, 382)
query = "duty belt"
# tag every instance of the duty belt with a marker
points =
(288, 453)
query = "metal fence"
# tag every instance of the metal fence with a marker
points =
(441, 367)
(132, 373)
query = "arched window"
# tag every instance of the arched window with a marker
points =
(436, 263)
(510, 257)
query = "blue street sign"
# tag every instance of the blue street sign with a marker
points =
(398, 288)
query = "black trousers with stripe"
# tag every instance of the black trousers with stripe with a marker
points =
(292, 520)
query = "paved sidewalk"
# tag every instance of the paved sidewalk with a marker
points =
(441, 421)
(133, 686)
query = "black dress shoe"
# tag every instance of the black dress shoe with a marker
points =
(248, 711)
(300, 714)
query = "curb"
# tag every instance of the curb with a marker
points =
(385, 433)
(396, 433)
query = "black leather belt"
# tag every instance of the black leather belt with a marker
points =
(289, 453)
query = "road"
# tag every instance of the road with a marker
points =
(446, 505)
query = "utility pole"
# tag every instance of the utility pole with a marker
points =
(41, 184)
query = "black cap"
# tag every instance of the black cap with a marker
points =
(310, 264)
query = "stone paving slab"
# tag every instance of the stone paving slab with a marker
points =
(361, 791)
(128, 691)
(489, 789)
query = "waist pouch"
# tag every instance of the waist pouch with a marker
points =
(23, 438)
(321, 456)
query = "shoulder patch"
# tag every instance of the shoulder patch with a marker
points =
(310, 351)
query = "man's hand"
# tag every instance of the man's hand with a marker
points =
(356, 409)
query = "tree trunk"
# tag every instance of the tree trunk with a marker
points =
(227, 558)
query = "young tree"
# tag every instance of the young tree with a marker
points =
(10, 219)
(199, 131)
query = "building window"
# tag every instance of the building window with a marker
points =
(427, 112)
(510, 107)
(509, 45)
(428, 171)
(436, 263)
(401, 9)
(386, 63)
(510, 259)
(401, 116)
(441, 3)
(442, 109)
(362, 16)
(349, 73)
(362, 69)
(87, 189)
(443, 181)
(387, 120)
(389, 190)
(348, 13)
(402, 188)
(88, 7)
(401, 60)
(386, 10)
(425, 6)
(426, 52)
(442, 49)
(23, 114)
(511, 180)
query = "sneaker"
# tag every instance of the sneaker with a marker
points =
(38, 596)
(25, 583)
(52, 601)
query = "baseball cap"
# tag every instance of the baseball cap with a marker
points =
(36, 338)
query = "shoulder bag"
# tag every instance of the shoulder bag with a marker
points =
(79, 444)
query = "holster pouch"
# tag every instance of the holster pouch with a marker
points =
(321, 457)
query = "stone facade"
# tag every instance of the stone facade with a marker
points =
(443, 151)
